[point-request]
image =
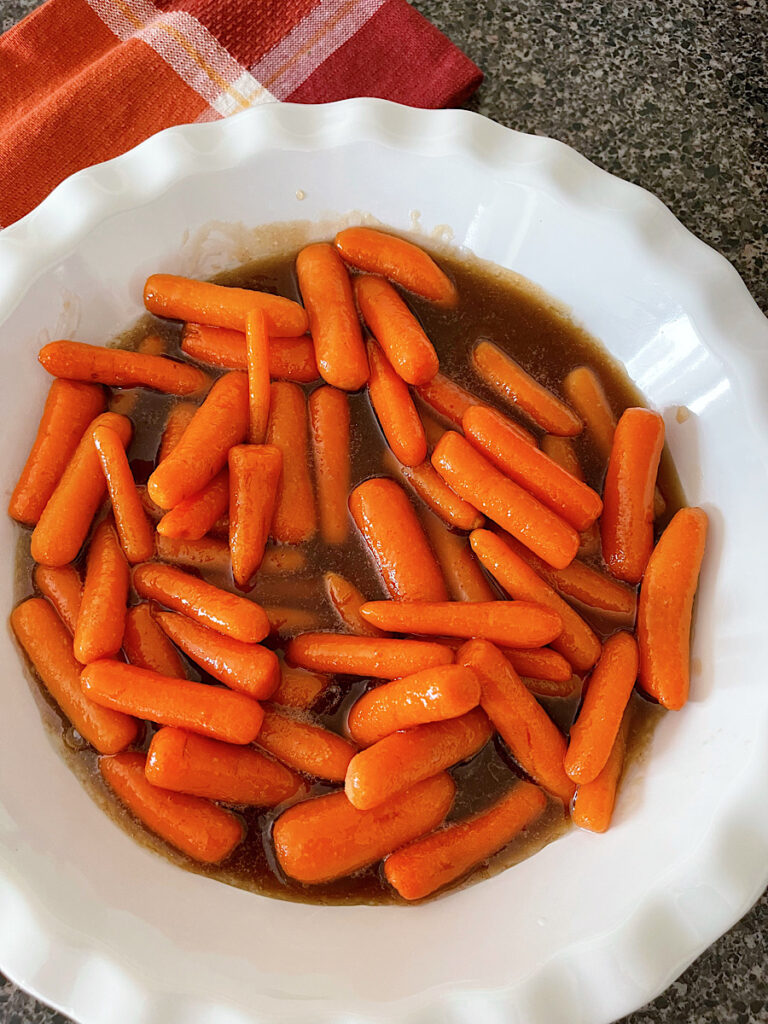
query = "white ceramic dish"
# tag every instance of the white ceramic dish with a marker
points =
(591, 927)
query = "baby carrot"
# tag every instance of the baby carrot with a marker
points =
(447, 398)
(146, 646)
(283, 560)
(577, 641)
(285, 621)
(584, 391)
(594, 801)
(426, 482)
(179, 418)
(180, 298)
(198, 828)
(329, 422)
(379, 658)
(289, 358)
(562, 451)
(48, 646)
(510, 380)
(153, 345)
(475, 479)
(254, 479)
(627, 521)
(101, 622)
(397, 330)
(120, 368)
(529, 467)
(69, 409)
(194, 516)
(63, 588)
(295, 518)
(133, 527)
(298, 688)
(432, 695)
(389, 526)
(220, 422)
(540, 663)
(401, 759)
(665, 608)
(67, 516)
(257, 358)
(511, 623)
(306, 747)
(461, 569)
(428, 864)
(326, 838)
(210, 606)
(347, 600)
(532, 737)
(394, 408)
(335, 328)
(207, 554)
(402, 262)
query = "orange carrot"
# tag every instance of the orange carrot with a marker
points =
(299, 688)
(207, 554)
(66, 518)
(289, 358)
(286, 621)
(627, 521)
(389, 526)
(329, 421)
(295, 518)
(461, 569)
(48, 646)
(306, 747)
(101, 622)
(198, 828)
(666, 605)
(254, 476)
(552, 687)
(428, 864)
(180, 298)
(257, 356)
(327, 293)
(347, 600)
(394, 408)
(69, 409)
(475, 479)
(326, 838)
(379, 658)
(220, 422)
(594, 801)
(146, 645)
(577, 641)
(584, 391)
(402, 262)
(133, 527)
(152, 345)
(120, 368)
(540, 663)
(210, 606)
(510, 380)
(426, 482)
(397, 330)
(562, 451)
(532, 737)
(179, 418)
(194, 516)
(63, 588)
(529, 467)
(282, 560)
(432, 695)
(447, 398)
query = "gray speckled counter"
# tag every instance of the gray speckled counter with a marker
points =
(673, 96)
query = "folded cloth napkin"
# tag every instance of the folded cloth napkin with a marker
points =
(84, 80)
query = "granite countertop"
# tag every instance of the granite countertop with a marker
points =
(672, 96)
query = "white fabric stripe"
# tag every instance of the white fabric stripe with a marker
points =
(327, 27)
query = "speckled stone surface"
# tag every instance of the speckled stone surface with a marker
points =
(672, 96)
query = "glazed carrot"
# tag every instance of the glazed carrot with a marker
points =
(627, 521)
(665, 608)
(397, 330)
(194, 516)
(394, 408)
(551, 687)
(120, 368)
(402, 262)
(512, 623)
(179, 418)
(207, 554)
(286, 621)
(220, 422)
(426, 482)
(66, 518)
(447, 398)
(347, 600)
(562, 451)
(432, 695)
(133, 527)
(329, 422)
(63, 588)
(433, 428)
(69, 409)
(198, 828)
(509, 379)
(326, 838)
(529, 467)
(257, 358)
(289, 358)
(153, 345)
(401, 759)
(335, 328)
(577, 641)
(389, 526)
(584, 391)
(254, 479)
(540, 663)
(475, 479)
(532, 737)
(306, 747)
(594, 801)
(187, 763)
(48, 646)
(210, 606)
(282, 560)
(428, 864)
(295, 518)
(146, 646)
(101, 621)
(379, 658)
(299, 688)
(461, 569)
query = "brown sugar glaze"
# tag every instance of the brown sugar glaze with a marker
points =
(525, 323)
